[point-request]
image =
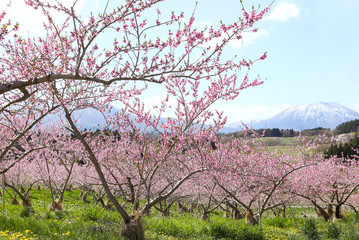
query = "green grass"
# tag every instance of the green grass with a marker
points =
(189, 227)
(77, 221)
(86, 221)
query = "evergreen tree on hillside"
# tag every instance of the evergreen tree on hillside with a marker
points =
(276, 132)
(347, 127)
(291, 133)
(348, 150)
(270, 132)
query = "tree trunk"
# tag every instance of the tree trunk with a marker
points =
(126, 217)
(107, 205)
(338, 212)
(26, 202)
(14, 201)
(84, 197)
(182, 208)
(235, 211)
(133, 229)
(283, 213)
(55, 206)
(191, 208)
(146, 212)
(100, 200)
(250, 218)
(205, 216)
(236, 214)
(165, 213)
(330, 211)
(322, 213)
(25, 197)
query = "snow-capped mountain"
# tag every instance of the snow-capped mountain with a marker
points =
(308, 116)
(300, 117)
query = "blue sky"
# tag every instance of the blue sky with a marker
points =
(312, 56)
(312, 45)
(313, 50)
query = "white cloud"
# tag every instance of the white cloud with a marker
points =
(30, 20)
(250, 113)
(249, 38)
(284, 11)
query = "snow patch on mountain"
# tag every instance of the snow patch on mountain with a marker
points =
(307, 116)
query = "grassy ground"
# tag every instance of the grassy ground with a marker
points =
(85, 221)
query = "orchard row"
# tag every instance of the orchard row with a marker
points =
(121, 57)
(240, 177)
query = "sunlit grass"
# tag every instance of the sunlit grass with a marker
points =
(86, 221)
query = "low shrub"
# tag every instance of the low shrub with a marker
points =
(352, 233)
(279, 222)
(223, 230)
(310, 229)
(59, 215)
(26, 211)
(93, 214)
(352, 218)
(333, 231)
(180, 226)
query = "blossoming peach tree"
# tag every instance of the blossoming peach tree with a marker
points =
(331, 182)
(255, 177)
(72, 68)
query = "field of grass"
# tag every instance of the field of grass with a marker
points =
(86, 221)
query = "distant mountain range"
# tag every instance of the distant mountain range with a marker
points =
(309, 116)
(300, 117)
